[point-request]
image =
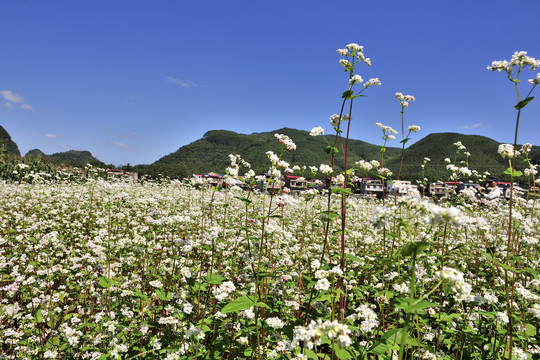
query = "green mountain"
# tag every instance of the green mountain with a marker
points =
(7, 146)
(437, 147)
(69, 158)
(210, 154)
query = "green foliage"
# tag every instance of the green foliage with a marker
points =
(210, 154)
(8, 147)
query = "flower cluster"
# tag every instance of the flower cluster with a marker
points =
(285, 140)
(413, 128)
(386, 129)
(335, 119)
(354, 52)
(364, 165)
(222, 291)
(535, 81)
(404, 99)
(313, 334)
(316, 131)
(356, 79)
(373, 82)
(456, 280)
(506, 151)
(519, 59)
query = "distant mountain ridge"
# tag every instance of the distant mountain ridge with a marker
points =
(70, 157)
(8, 145)
(210, 153)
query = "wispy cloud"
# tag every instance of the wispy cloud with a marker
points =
(51, 136)
(120, 145)
(473, 126)
(10, 96)
(131, 135)
(183, 83)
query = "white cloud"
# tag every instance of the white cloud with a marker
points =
(130, 135)
(473, 126)
(119, 144)
(183, 83)
(51, 136)
(8, 105)
(26, 107)
(10, 96)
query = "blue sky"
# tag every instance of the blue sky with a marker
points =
(132, 81)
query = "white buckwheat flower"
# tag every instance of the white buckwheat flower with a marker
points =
(325, 169)
(372, 82)
(536, 80)
(506, 150)
(316, 131)
(356, 79)
(275, 323)
(354, 47)
(334, 120)
(344, 63)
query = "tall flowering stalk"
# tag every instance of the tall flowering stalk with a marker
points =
(353, 54)
(404, 102)
(388, 134)
(513, 68)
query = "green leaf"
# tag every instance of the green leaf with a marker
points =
(39, 317)
(530, 330)
(420, 305)
(414, 248)
(138, 293)
(105, 282)
(515, 173)
(342, 353)
(523, 103)
(412, 305)
(378, 348)
(331, 150)
(341, 190)
(261, 304)
(353, 258)
(347, 94)
(310, 354)
(162, 295)
(404, 141)
(237, 305)
(331, 215)
(246, 200)
(214, 279)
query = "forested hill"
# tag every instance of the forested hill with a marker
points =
(8, 146)
(210, 153)
(71, 158)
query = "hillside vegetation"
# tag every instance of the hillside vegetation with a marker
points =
(68, 158)
(210, 154)
(7, 146)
